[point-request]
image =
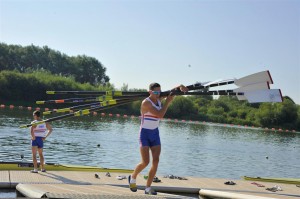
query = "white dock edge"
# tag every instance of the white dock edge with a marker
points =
(229, 195)
(4, 179)
(185, 190)
(85, 191)
(27, 191)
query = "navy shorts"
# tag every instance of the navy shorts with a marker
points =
(149, 137)
(38, 142)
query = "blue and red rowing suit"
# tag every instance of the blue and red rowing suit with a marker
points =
(149, 134)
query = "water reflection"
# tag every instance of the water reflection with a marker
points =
(188, 149)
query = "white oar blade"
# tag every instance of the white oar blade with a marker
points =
(266, 95)
(263, 76)
(259, 77)
(251, 87)
(241, 97)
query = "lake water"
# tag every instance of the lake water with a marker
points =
(188, 149)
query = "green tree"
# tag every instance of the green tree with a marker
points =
(30, 58)
(182, 106)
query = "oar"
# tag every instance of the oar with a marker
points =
(77, 113)
(109, 93)
(253, 96)
(76, 100)
(62, 110)
(91, 105)
(91, 99)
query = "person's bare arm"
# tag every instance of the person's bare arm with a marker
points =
(32, 133)
(49, 127)
(147, 107)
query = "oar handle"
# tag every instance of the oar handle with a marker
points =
(199, 86)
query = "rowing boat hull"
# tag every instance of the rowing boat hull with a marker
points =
(23, 166)
(278, 180)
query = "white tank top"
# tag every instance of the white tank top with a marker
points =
(40, 130)
(150, 121)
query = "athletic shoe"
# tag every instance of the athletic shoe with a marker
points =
(132, 186)
(150, 192)
(34, 171)
(43, 170)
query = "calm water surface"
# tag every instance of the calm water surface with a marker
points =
(188, 149)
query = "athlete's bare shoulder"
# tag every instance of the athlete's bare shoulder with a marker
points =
(146, 105)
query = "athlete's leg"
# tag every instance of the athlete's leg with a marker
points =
(34, 150)
(144, 150)
(155, 150)
(40, 150)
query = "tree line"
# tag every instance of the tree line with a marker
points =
(25, 84)
(82, 68)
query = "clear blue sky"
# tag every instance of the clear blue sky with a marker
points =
(140, 42)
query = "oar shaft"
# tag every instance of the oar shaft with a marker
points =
(108, 93)
(82, 112)
(76, 100)
(91, 105)
(199, 86)
(219, 92)
(62, 110)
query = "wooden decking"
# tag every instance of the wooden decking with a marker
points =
(74, 184)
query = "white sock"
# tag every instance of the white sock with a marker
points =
(147, 189)
(132, 180)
